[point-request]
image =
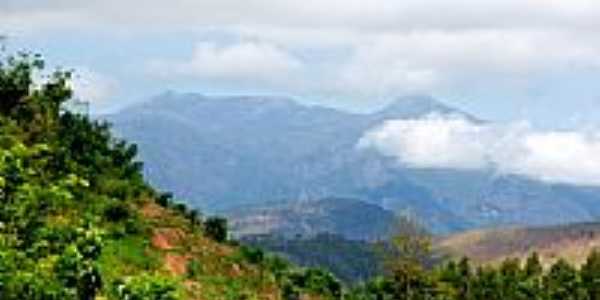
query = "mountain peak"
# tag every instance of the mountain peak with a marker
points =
(418, 106)
(415, 105)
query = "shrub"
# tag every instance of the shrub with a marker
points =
(116, 211)
(193, 268)
(252, 255)
(194, 217)
(276, 265)
(216, 228)
(164, 199)
(147, 287)
(181, 208)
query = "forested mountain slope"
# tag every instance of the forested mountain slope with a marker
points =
(78, 221)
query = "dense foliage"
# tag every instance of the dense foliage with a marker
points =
(53, 167)
(512, 280)
(351, 261)
(71, 220)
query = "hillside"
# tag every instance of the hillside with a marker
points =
(78, 221)
(573, 242)
(205, 268)
(350, 260)
(353, 219)
(220, 153)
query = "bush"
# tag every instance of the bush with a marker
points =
(194, 217)
(116, 211)
(147, 287)
(181, 208)
(276, 265)
(252, 255)
(194, 268)
(216, 228)
(164, 199)
(322, 282)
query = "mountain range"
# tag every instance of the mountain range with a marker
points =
(220, 153)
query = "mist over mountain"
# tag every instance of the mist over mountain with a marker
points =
(221, 153)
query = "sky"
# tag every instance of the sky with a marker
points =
(535, 60)
(531, 67)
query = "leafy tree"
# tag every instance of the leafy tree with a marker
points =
(590, 275)
(216, 228)
(533, 266)
(562, 282)
(486, 284)
(77, 267)
(147, 287)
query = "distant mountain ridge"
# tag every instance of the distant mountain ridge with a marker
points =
(223, 152)
(353, 219)
(573, 242)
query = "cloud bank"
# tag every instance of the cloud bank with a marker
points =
(453, 142)
(92, 86)
(350, 48)
(243, 62)
(502, 59)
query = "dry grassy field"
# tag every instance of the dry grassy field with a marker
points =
(572, 242)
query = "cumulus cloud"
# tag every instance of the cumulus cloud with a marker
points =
(454, 142)
(387, 64)
(93, 87)
(431, 60)
(244, 61)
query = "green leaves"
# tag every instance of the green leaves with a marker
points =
(77, 268)
(216, 228)
(147, 287)
(52, 167)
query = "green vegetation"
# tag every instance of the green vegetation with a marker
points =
(511, 280)
(351, 261)
(216, 228)
(77, 221)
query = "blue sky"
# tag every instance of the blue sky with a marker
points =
(510, 60)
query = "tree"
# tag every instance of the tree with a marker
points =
(486, 284)
(590, 275)
(533, 266)
(216, 228)
(77, 267)
(562, 282)
(409, 247)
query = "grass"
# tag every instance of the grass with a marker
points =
(128, 256)
(572, 242)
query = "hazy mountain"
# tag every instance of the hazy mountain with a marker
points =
(350, 218)
(219, 153)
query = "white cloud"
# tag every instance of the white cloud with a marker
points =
(383, 47)
(433, 142)
(569, 157)
(326, 14)
(246, 61)
(453, 142)
(388, 64)
(429, 61)
(92, 86)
